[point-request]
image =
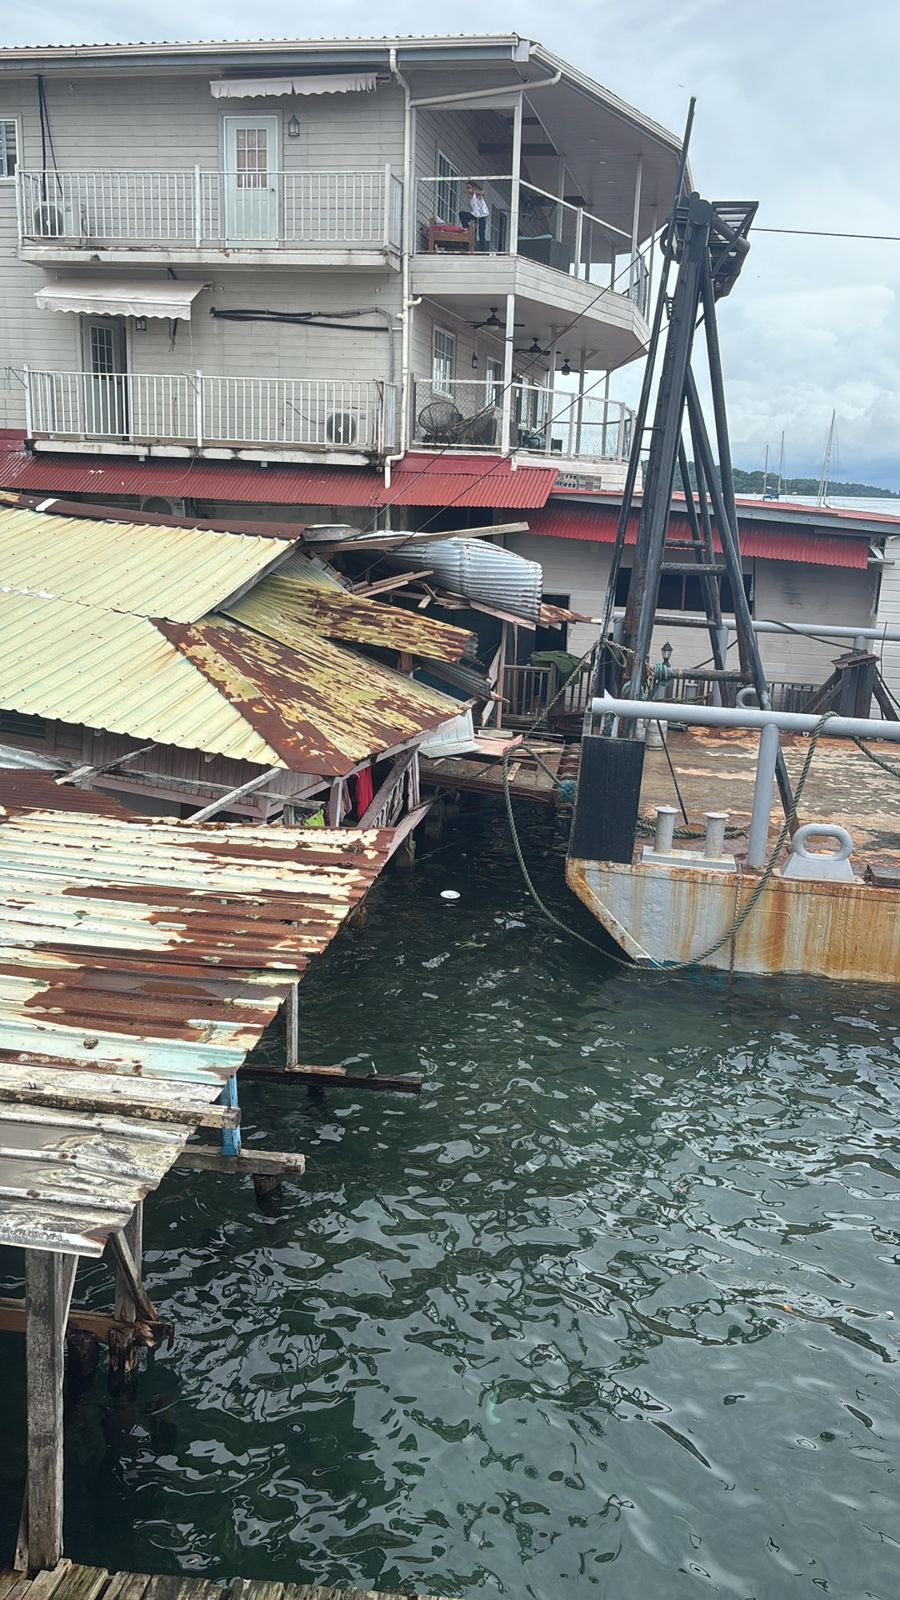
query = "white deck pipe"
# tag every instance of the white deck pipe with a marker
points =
(747, 717)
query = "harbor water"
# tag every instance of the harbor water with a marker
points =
(610, 1310)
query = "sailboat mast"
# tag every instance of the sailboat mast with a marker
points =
(823, 481)
(781, 466)
(766, 473)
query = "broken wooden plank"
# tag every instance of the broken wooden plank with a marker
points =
(99, 1092)
(338, 1077)
(128, 1273)
(273, 1163)
(133, 1236)
(81, 1583)
(98, 1323)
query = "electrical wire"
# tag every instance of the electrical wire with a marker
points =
(828, 233)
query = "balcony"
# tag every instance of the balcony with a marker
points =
(561, 262)
(289, 419)
(323, 218)
(467, 414)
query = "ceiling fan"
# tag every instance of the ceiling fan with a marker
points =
(534, 349)
(494, 322)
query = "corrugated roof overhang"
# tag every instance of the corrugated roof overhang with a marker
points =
(419, 480)
(120, 297)
(597, 525)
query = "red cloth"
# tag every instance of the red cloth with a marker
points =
(364, 790)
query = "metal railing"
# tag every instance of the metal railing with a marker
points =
(467, 412)
(195, 207)
(693, 689)
(195, 409)
(552, 231)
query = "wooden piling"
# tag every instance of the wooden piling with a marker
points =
(49, 1281)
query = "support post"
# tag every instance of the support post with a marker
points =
(579, 406)
(231, 1137)
(636, 230)
(292, 1026)
(198, 207)
(766, 762)
(516, 174)
(508, 352)
(49, 1281)
(501, 671)
(198, 409)
(29, 406)
(133, 1233)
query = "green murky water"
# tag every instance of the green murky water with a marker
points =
(608, 1311)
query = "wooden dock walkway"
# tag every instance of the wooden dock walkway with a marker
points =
(69, 1581)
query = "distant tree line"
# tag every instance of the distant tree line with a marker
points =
(752, 483)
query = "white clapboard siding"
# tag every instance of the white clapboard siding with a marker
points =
(888, 614)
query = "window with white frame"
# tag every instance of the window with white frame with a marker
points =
(443, 361)
(493, 381)
(446, 192)
(9, 147)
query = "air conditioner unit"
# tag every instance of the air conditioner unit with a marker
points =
(160, 507)
(341, 428)
(53, 219)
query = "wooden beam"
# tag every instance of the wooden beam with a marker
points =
(386, 789)
(268, 1163)
(339, 1077)
(292, 1025)
(133, 1235)
(34, 1093)
(384, 584)
(49, 1281)
(225, 800)
(99, 1323)
(120, 1250)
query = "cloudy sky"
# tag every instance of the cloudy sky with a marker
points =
(798, 106)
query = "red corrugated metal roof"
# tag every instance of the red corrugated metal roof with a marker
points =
(597, 524)
(468, 482)
(199, 480)
(418, 480)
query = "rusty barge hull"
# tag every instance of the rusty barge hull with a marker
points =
(663, 916)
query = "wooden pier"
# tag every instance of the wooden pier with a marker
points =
(69, 1581)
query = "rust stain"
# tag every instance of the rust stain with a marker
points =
(283, 605)
(320, 708)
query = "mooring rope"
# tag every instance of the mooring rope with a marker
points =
(658, 967)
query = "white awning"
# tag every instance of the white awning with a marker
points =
(120, 297)
(329, 83)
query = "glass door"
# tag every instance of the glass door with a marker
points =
(105, 378)
(251, 196)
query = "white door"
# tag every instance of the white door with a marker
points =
(251, 196)
(105, 378)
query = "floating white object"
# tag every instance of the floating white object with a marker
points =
(449, 894)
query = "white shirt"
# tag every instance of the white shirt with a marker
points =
(477, 205)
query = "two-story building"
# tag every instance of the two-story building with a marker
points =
(355, 254)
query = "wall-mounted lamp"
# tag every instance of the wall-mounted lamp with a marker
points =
(293, 128)
(474, 360)
(140, 324)
(667, 651)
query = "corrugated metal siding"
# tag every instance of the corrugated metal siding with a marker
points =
(478, 571)
(179, 573)
(141, 962)
(597, 525)
(468, 482)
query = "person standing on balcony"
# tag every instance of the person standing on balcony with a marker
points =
(477, 210)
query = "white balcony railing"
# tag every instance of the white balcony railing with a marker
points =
(194, 409)
(468, 414)
(194, 208)
(566, 237)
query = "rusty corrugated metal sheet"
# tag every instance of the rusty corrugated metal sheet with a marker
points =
(480, 571)
(216, 687)
(39, 791)
(139, 962)
(288, 603)
(179, 573)
(321, 708)
(563, 519)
